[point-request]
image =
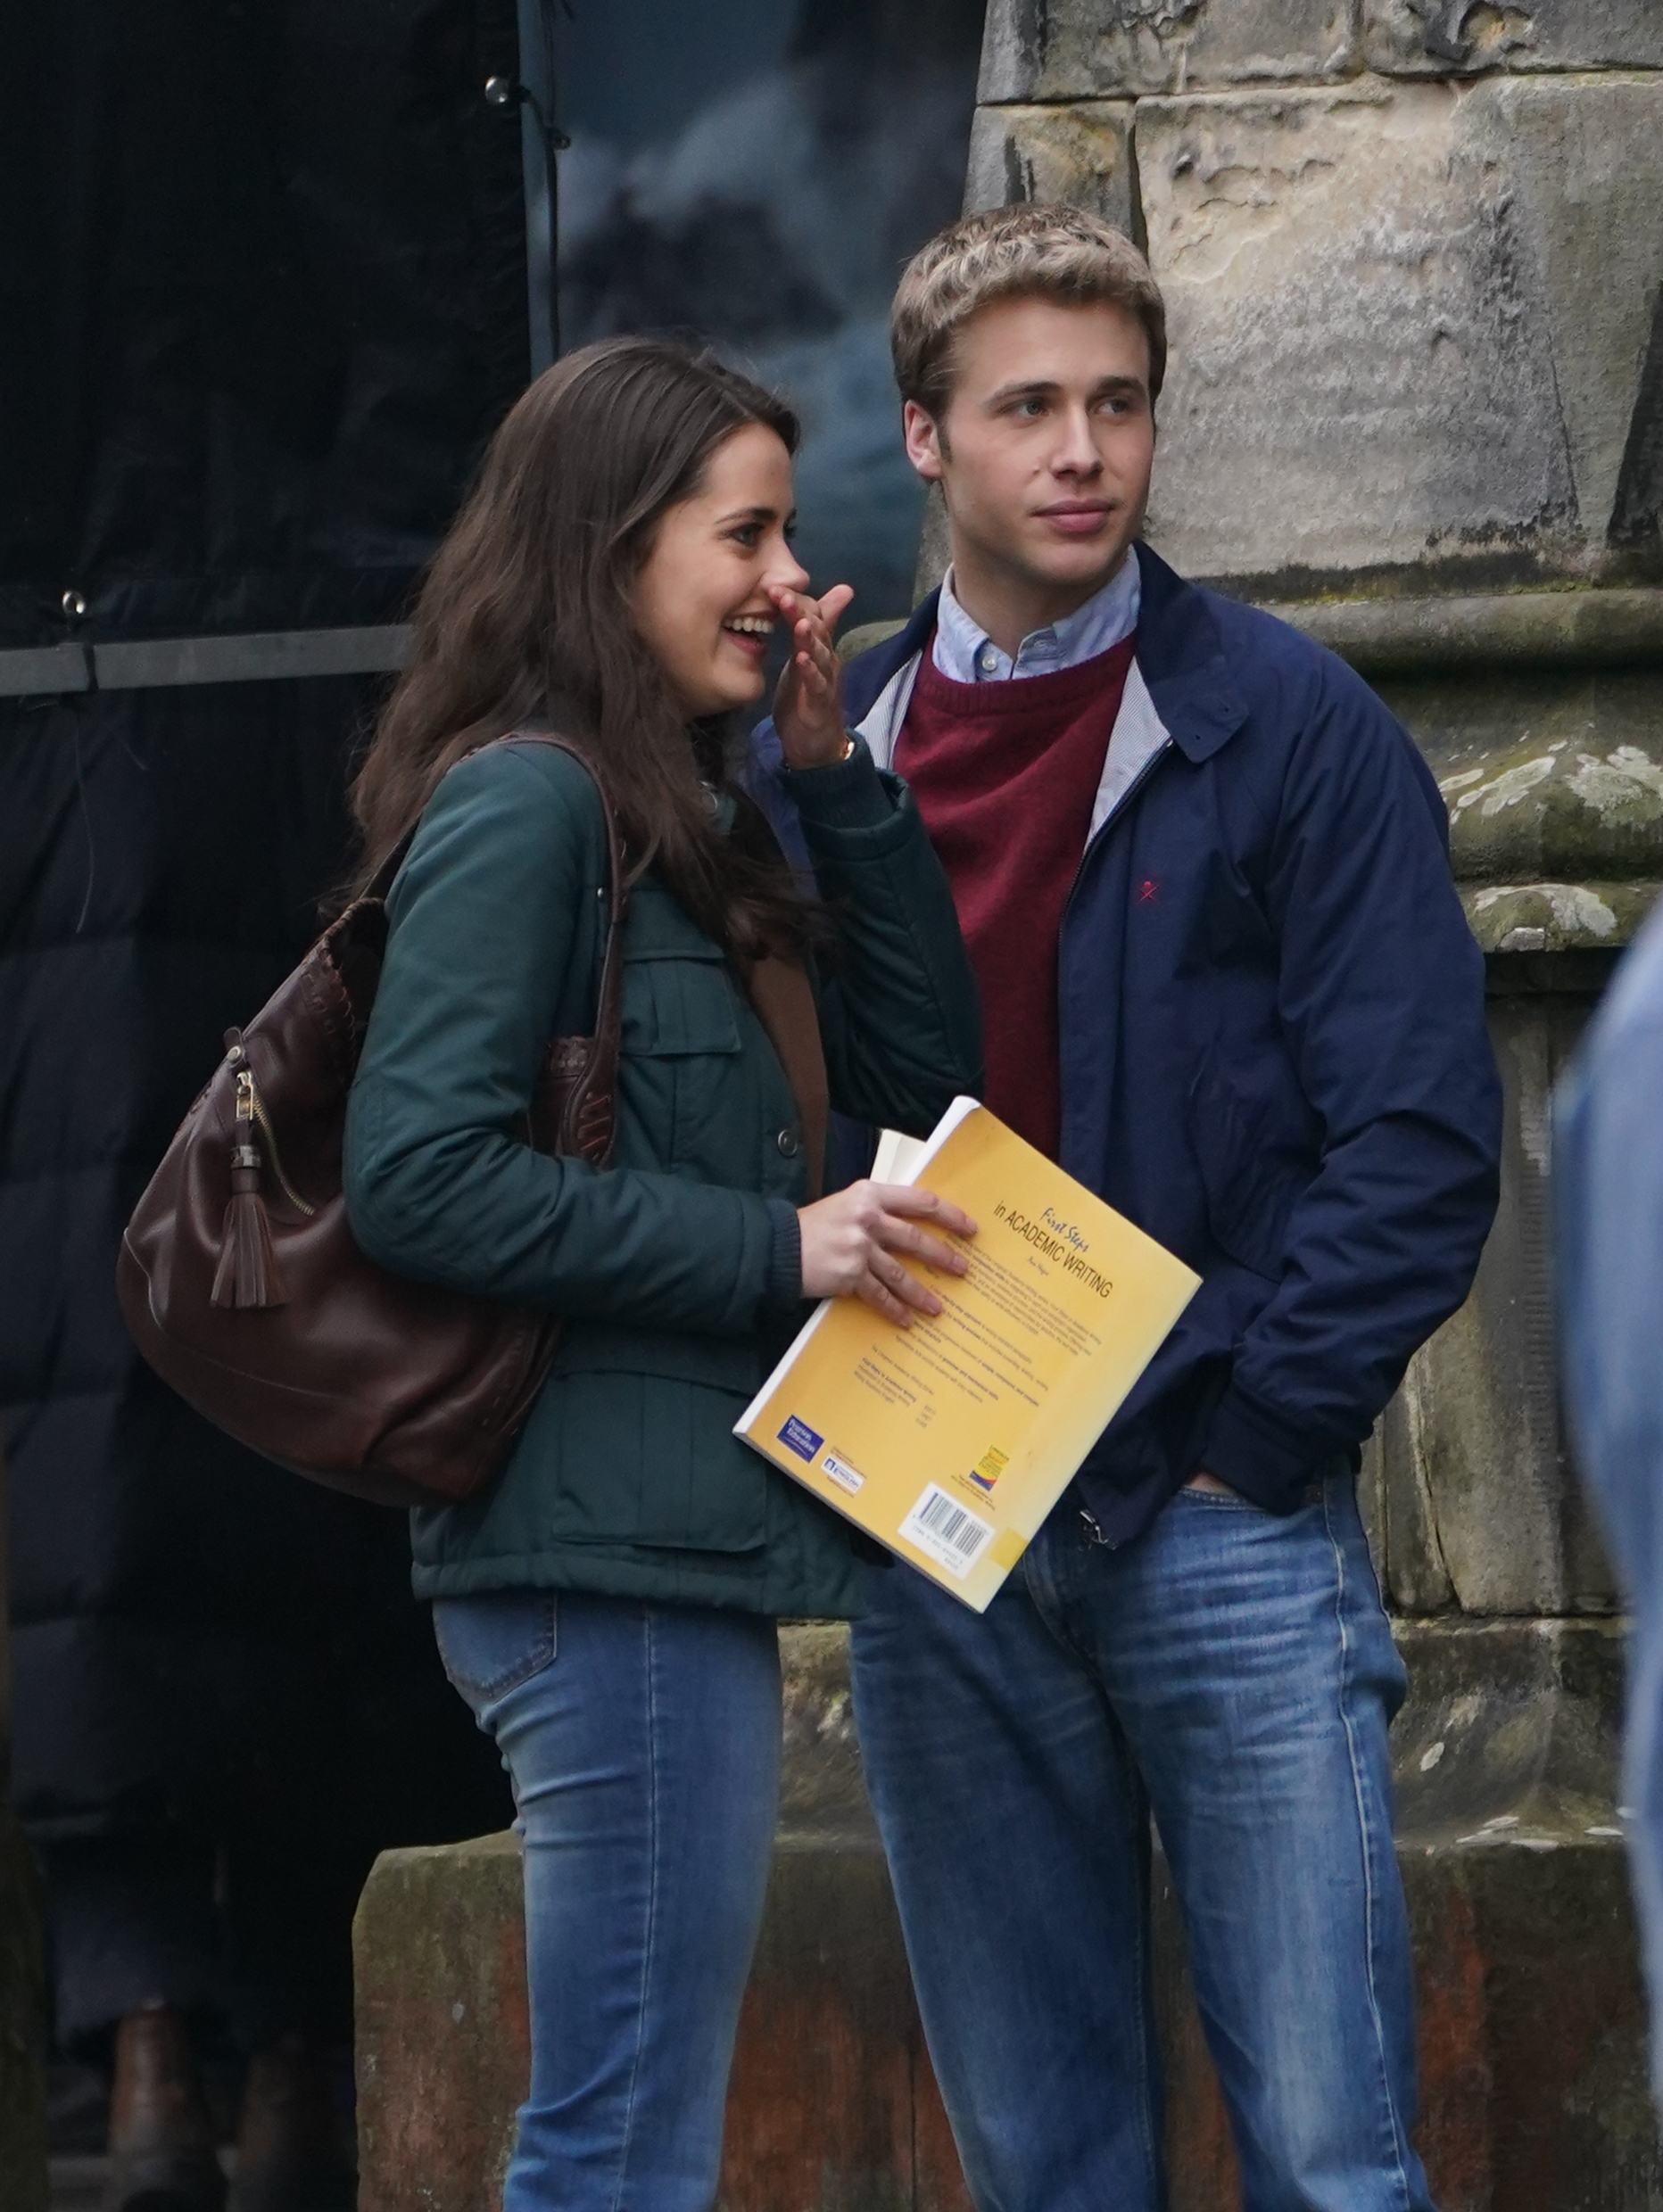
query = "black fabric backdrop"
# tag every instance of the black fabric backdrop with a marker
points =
(261, 300)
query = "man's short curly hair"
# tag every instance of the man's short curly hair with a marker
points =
(1041, 250)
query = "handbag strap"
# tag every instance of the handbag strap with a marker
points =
(584, 1070)
(608, 1017)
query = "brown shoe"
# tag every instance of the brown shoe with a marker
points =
(290, 2152)
(161, 2141)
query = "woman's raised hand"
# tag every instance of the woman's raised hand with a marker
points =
(809, 701)
(853, 1240)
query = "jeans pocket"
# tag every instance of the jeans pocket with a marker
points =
(1222, 1501)
(493, 1643)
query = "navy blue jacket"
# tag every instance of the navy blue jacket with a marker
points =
(1273, 1049)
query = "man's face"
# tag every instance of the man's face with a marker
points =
(1044, 448)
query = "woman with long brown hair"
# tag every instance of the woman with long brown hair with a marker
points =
(608, 1611)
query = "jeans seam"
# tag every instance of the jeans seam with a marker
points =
(1151, 2156)
(1043, 1588)
(1368, 1855)
(542, 1654)
(652, 1903)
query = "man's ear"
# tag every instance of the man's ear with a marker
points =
(924, 440)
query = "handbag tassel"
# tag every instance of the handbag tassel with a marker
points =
(246, 1277)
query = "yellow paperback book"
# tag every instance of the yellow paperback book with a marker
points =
(950, 1441)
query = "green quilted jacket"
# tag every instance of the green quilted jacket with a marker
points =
(678, 1268)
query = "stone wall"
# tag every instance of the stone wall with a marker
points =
(1531, 2010)
(1411, 253)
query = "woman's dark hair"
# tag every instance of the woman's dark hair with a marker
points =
(528, 602)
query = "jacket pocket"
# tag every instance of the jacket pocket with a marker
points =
(682, 1047)
(650, 1458)
(1250, 1192)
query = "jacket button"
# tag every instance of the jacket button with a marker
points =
(789, 1143)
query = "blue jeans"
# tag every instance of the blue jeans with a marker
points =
(643, 1743)
(1234, 1672)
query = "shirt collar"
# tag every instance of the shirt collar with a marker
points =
(963, 652)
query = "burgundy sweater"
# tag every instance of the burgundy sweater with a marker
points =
(1005, 775)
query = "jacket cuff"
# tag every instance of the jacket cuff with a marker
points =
(847, 795)
(785, 1255)
(1259, 1455)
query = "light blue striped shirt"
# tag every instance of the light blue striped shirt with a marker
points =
(965, 654)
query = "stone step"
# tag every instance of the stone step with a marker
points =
(1532, 2016)
(1532, 2034)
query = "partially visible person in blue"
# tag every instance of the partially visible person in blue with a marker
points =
(1226, 983)
(608, 1609)
(1608, 1181)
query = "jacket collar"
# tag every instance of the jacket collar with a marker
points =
(1181, 655)
(870, 676)
(885, 678)
(1180, 686)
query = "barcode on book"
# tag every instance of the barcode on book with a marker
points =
(948, 1532)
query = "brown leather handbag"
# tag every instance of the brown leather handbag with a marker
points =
(242, 1283)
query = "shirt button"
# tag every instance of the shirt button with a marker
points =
(789, 1144)
(987, 659)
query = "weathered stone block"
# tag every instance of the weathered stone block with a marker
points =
(1083, 49)
(1480, 1500)
(1543, 724)
(1081, 153)
(1533, 2038)
(1481, 1507)
(823, 1791)
(1445, 37)
(442, 2025)
(1555, 781)
(1550, 776)
(1534, 2096)
(1414, 329)
(1509, 1729)
(1513, 633)
(822, 2103)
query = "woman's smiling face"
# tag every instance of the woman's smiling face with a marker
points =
(701, 601)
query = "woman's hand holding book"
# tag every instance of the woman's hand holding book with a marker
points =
(854, 1244)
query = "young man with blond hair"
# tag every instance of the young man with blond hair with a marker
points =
(1227, 985)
